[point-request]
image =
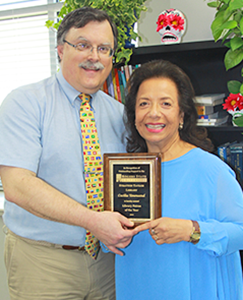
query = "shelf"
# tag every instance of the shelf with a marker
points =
(158, 49)
(225, 128)
(203, 62)
(222, 134)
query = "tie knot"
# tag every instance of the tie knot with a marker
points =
(85, 98)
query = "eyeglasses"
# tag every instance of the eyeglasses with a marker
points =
(86, 47)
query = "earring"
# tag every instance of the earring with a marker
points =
(180, 126)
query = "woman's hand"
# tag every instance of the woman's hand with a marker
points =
(168, 230)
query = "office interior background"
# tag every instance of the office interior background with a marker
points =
(28, 54)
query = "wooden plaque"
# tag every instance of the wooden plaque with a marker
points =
(132, 185)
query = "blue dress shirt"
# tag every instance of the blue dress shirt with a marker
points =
(40, 131)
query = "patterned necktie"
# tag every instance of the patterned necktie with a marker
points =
(93, 168)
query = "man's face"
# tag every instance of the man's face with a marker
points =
(87, 78)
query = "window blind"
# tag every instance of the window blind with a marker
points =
(27, 48)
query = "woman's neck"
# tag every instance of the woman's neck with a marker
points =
(175, 149)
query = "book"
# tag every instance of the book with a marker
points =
(110, 85)
(236, 153)
(124, 82)
(114, 83)
(127, 72)
(212, 122)
(131, 68)
(105, 87)
(210, 99)
(223, 151)
(204, 109)
(211, 116)
(122, 89)
(117, 85)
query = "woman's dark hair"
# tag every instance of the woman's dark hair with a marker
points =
(190, 132)
(80, 17)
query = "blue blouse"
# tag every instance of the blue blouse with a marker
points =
(197, 186)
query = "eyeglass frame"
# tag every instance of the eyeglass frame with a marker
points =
(91, 48)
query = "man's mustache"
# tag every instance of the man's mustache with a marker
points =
(91, 65)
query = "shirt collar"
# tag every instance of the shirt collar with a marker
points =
(71, 93)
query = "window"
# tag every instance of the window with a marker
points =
(27, 51)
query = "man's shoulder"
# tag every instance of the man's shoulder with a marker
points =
(36, 87)
(31, 96)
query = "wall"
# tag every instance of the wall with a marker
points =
(198, 15)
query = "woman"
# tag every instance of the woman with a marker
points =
(192, 251)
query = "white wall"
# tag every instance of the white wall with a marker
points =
(198, 15)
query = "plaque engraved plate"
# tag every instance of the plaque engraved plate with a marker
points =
(132, 185)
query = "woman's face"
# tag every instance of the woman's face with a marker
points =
(157, 113)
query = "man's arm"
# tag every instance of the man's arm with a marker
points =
(23, 188)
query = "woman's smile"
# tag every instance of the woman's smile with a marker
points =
(155, 127)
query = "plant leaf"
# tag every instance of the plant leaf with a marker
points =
(218, 23)
(216, 27)
(227, 44)
(234, 86)
(213, 4)
(238, 121)
(235, 4)
(241, 25)
(229, 25)
(236, 43)
(233, 58)
(237, 16)
(49, 23)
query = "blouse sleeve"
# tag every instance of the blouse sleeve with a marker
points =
(224, 233)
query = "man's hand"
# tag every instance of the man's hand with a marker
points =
(23, 188)
(112, 229)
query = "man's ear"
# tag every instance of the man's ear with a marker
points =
(60, 51)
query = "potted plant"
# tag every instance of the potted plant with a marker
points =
(124, 14)
(228, 27)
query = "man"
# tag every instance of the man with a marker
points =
(42, 171)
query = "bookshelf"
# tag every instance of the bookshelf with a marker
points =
(223, 134)
(203, 62)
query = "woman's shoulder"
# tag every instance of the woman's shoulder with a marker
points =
(202, 155)
(207, 160)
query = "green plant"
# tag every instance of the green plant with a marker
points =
(124, 14)
(228, 26)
